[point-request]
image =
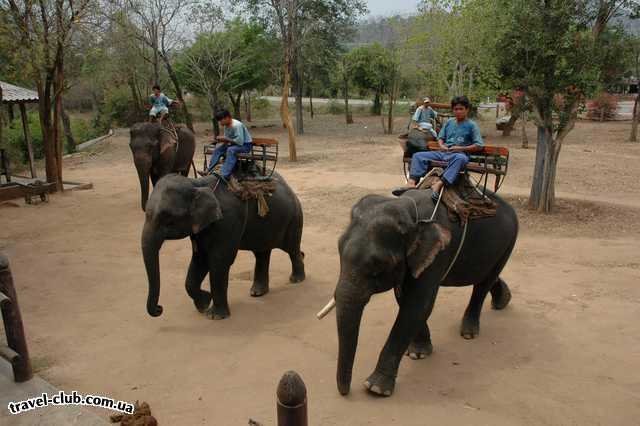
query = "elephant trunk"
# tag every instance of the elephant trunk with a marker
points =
(143, 167)
(150, 251)
(348, 314)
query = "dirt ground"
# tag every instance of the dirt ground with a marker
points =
(565, 352)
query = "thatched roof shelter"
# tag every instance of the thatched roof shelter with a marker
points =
(14, 95)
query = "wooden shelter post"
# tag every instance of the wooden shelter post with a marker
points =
(27, 138)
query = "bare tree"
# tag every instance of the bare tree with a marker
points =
(210, 64)
(43, 30)
(158, 25)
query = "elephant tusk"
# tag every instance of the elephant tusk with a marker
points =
(323, 313)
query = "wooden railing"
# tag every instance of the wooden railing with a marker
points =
(15, 351)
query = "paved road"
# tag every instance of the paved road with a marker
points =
(276, 99)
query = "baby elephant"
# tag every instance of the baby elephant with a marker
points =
(219, 224)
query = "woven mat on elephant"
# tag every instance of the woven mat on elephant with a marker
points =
(254, 189)
(463, 200)
(141, 416)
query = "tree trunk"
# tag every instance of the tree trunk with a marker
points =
(176, 84)
(235, 101)
(634, 123)
(311, 102)
(213, 104)
(390, 114)
(525, 139)
(56, 127)
(384, 125)
(542, 196)
(247, 105)
(137, 102)
(347, 113)
(27, 138)
(48, 139)
(297, 87)
(286, 116)
(66, 125)
(376, 105)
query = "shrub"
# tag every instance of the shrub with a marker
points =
(16, 145)
(119, 109)
(603, 107)
(334, 107)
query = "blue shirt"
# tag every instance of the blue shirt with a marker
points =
(160, 100)
(424, 115)
(237, 133)
(466, 133)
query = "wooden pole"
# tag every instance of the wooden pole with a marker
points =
(292, 400)
(16, 352)
(27, 138)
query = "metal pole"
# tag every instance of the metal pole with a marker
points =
(292, 400)
(16, 352)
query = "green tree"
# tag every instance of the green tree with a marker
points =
(293, 21)
(550, 47)
(375, 70)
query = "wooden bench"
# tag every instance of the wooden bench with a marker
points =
(264, 155)
(492, 160)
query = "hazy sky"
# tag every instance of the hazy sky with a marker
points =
(390, 7)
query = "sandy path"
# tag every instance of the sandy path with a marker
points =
(566, 351)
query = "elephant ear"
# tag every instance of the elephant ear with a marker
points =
(166, 142)
(430, 239)
(205, 209)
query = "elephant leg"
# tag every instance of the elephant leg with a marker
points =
(297, 266)
(219, 278)
(260, 285)
(470, 327)
(197, 271)
(416, 304)
(500, 295)
(421, 346)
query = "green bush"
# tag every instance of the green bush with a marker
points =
(334, 107)
(119, 109)
(16, 144)
(84, 131)
(261, 107)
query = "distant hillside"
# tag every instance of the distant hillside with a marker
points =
(381, 30)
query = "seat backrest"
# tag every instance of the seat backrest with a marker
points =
(487, 150)
(264, 141)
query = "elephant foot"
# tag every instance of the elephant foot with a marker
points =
(419, 350)
(500, 295)
(470, 328)
(202, 301)
(259, 289)
(380, 384)
(297, 277)
(217, 313)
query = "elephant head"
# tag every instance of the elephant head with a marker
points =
(177, 208)
(383, 247)
(148, 145)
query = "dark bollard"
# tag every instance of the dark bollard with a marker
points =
(16, 352)
(292, 400)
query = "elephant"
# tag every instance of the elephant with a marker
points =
(154, 155)
(391, 243)
(219, 224)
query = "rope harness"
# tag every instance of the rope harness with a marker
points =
(431, 219)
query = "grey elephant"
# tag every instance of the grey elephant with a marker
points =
(219, 224)
(391, 243)
(155, 155)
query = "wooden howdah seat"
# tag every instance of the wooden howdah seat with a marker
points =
(260, 161)
(492, 160)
